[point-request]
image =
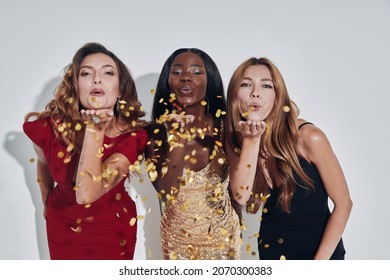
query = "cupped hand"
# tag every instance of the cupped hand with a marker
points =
(182, 119)
(96, 117)
(252, 129)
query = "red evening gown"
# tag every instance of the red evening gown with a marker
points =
(102, 229)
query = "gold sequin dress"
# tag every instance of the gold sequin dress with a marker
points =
(201, 223)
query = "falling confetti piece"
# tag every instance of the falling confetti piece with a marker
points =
(173, 255)
(78, 127)
(77, 229)
(132, 221)
(286, 109)
(282, 257)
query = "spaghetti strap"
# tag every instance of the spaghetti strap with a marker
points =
(305, 123)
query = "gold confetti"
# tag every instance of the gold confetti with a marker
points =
(70, 147)
(286, 109)
(77, 229)
(245, 114)
(204, 103)
(39, 180)
(248, 165)
(280, 240)
(153, 175)
(118, 196)
(133, 221)
(266, 246)
(122, 242)
(32, 160)
(77, 127)
(173, 255)
(153, 91)
(93, 98)
(282, 257)
(60, 154)
(67, 159)
(219, 143)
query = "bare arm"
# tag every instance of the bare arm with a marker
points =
(243, 168)
(94, 177)
(319, 151)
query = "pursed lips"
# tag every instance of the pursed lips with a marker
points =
(186, 89)
(255, 106)
(97, 92)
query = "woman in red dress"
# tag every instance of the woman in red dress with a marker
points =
(86, 140)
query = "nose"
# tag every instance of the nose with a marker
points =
(97, 80)
(185, 77)
(255, 94)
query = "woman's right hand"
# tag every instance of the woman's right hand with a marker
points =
(252, 129)
(183, 120)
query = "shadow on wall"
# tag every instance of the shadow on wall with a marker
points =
(142, 191)
(19, 146)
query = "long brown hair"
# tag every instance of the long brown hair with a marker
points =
(64, 109)
(278, 145)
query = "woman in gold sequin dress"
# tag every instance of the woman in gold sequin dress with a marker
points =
(186, 160)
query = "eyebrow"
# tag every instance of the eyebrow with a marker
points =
(90, 67)
(181, 65)
(263, 80)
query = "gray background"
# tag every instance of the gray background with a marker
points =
(334, 56)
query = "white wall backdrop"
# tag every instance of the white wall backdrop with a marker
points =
(333, 54)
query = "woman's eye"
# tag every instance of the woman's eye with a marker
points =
(109, 73)
(267, 86)
(245, 85)
(83, 74)
(176, 72)
(196, 72)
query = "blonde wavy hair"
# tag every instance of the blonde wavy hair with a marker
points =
(64, 109)
(278, 145)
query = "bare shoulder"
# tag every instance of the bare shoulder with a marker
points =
(312, 141)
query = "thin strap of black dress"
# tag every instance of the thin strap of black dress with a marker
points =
(302, 124)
